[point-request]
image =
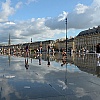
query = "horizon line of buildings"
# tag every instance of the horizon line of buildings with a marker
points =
(85, 41)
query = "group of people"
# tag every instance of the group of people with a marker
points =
(64, 55)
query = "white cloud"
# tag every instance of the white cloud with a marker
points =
(9, 23)
(80, 8)
(18, 5)
(81, 17)
(23, 31)
(6, 11)
(62, 16)
(96, 2)
(58, 22)
(85, 16)
(80, 92)
(62, 84)
(30, 1)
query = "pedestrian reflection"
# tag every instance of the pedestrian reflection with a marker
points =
(64, 53)
(48, 59)
(26, 63)
(31, 60)
(98, 63)
(98, 50)
(98, 68)
(63, 60)
(40, 58)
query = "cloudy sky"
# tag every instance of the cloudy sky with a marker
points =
(45, 19)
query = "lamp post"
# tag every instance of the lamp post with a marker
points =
(66, 35)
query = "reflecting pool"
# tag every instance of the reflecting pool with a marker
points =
(49, 77)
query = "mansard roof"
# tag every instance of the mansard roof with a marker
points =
(90, 31)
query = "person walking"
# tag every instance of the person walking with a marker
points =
(98, 50)
(26, 50)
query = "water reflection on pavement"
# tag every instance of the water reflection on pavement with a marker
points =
(41, 77)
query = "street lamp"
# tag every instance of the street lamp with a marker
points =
(66, 36)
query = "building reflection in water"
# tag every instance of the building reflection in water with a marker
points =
(86, 62)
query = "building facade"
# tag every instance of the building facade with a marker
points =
(87, 40)
(60, 44)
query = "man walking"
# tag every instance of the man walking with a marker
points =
(98, 50)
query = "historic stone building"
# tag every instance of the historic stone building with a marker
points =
(84, 41)
(87, 40)
(60, 44)
(47, 43)
(71, 45)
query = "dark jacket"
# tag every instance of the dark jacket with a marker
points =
(98, 48)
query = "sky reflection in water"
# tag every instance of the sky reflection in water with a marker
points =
(48, 81)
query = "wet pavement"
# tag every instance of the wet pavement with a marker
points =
(24, 78)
